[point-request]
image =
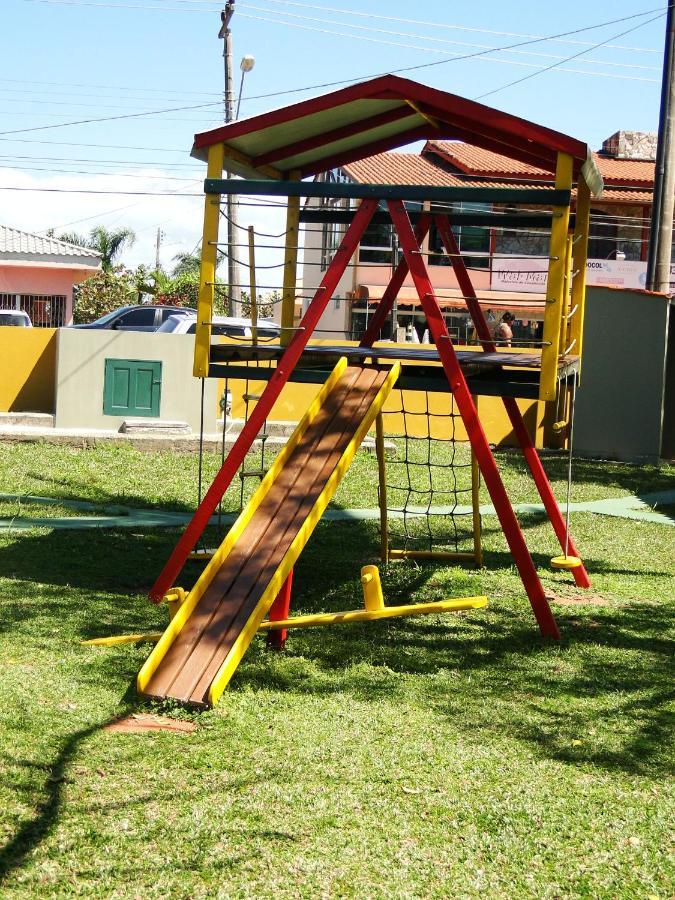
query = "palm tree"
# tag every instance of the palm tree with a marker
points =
(110, 243)
(186, 264)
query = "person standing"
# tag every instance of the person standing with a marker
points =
(504, 331)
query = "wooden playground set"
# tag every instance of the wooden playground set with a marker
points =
(246, 585)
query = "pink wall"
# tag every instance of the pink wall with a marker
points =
(43, 278)
(442, 276)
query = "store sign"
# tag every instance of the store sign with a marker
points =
(529, 275)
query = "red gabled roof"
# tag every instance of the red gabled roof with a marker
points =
(472, 160)
(381, 114)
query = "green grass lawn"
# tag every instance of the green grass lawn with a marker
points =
(457, 756)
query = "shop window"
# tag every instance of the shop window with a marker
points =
(472, 239)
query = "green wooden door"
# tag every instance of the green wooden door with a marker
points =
(132, 387)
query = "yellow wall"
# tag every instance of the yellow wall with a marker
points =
(27, 369)
(295, 398)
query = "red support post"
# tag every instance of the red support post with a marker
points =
(467, 409)
(280, 610)
(385, 305)
(249, 432)
(510, 404)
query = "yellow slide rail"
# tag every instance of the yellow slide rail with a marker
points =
(187, 607)
(247, 634)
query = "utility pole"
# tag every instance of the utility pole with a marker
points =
(158, 244)
(233, 281)
(661, 227)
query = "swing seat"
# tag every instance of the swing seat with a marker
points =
(565, 562)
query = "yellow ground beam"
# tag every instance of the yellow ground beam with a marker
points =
(373, 615)
(116, 639)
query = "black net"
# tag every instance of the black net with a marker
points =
(429, 477)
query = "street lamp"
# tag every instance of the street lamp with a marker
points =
(246, 64)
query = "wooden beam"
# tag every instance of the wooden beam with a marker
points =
(414, 192)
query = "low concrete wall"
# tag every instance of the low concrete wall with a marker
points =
(620, 403)
(27, 369)
(80, 371)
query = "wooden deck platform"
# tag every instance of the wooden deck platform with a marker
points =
(498, 373)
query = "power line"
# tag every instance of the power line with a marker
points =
(478, 53)
(214, 5)
(569, 58)
(438, 40)
(372, 40)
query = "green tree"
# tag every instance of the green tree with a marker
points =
(104, 292)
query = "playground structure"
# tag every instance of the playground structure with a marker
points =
(250, 574)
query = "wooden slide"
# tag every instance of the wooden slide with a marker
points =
(205, 641)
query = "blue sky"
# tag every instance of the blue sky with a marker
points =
(66, 60)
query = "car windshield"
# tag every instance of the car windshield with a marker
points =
(172, 323)
(108, 317)
(14, 319)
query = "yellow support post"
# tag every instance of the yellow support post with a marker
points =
(290, 265)
(579, 259)
(565, 319)
(253, 289)
(372, 588)
(555, 289)
(382, 488)
(207, 272)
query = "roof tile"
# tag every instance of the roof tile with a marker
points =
(14, 242)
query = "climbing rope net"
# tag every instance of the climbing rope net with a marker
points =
(429, 484)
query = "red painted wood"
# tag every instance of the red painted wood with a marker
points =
(390, 294)
(515, 416)
(279, 610)
(501, 125)
(274, 386)
(326, 137)
(467, 409)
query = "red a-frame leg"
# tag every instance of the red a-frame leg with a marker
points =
(517, 422)
(273, 388)
(467, 409)
(279, 611)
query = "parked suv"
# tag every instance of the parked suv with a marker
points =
(227, 326)
(146, 317)
(16, 317)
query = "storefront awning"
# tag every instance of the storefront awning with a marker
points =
(451, 299)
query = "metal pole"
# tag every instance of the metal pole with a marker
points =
(661, 228)
(233, 286)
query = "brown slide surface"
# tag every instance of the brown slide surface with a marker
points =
(193, 660)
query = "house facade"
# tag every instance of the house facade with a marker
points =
(508, 267)
(37, 275)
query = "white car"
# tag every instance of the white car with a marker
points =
(16, 317)
(225, 326)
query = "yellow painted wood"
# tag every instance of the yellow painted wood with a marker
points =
(207, 272)
(579, 260)
(372, 588)
(290, 265)
(245, 637)
(555, 290)
(374, 615)
(117, 639)
(187, 607)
